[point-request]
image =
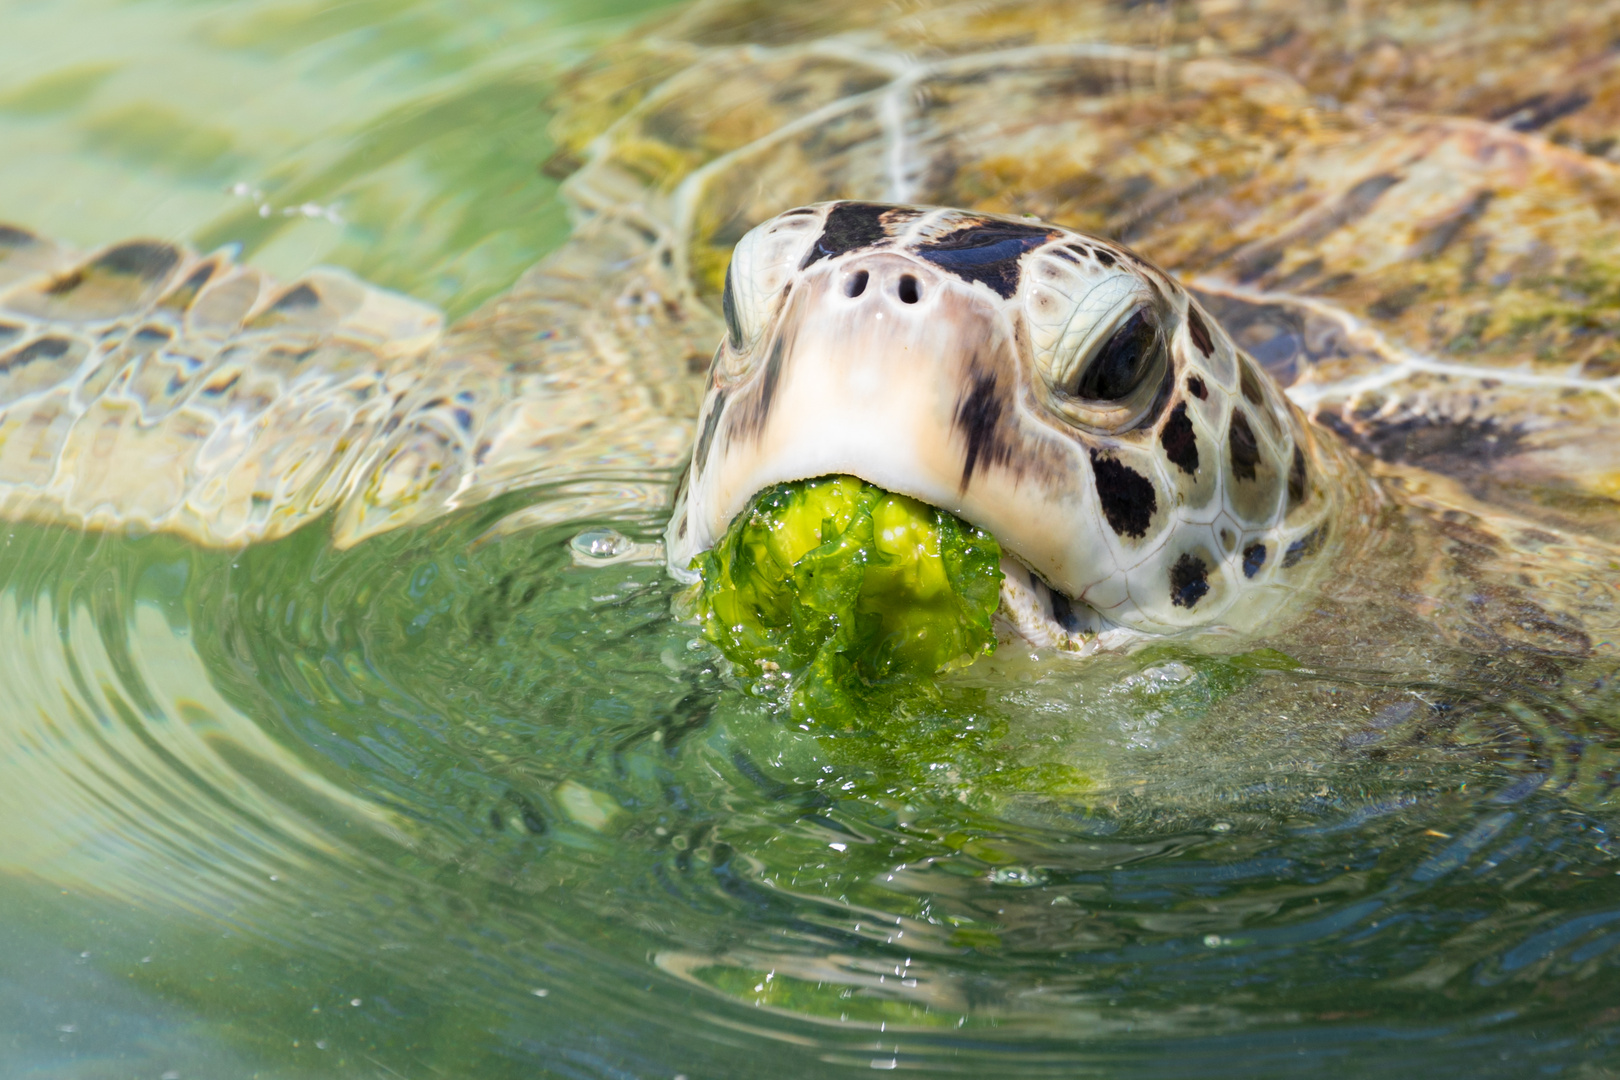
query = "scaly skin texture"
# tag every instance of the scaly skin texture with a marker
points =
(945, 355)
(1404, 212)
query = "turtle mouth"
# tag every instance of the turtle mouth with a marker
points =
(919, 397)
(1029, 610)
(836, 566)
(1032, 611)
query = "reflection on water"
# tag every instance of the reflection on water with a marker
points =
(453, 803)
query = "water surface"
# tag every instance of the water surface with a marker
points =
(457, 803)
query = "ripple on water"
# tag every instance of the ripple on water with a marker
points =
(449, 768)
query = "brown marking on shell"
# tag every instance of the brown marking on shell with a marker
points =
(1260, 259)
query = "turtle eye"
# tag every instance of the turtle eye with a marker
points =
(1129, 356)
(728, 305)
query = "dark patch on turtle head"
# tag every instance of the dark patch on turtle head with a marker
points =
(978, 419)
(1307, 545)
(1128, 499)
(988, 251)
(1250, 383)
(1296, 479)
(700, 460)
(1189, 581)
(1199, 333)
(850, 225)
(1196, 387)
(1244, 446)
(1063, 612)
(1254, 557)
(728, 307)
(1179, 440)
(768, 382)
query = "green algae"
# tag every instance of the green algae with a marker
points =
(835, 584)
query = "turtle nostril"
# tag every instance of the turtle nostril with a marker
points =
(909, 293)
(856, 284)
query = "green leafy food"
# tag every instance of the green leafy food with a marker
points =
(845, 585)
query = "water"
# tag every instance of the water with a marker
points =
(452, 805)
(465, 800)
(305, 132)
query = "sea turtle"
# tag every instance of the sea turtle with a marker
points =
(1238, 297)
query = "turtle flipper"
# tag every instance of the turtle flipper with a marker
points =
(587, 374)
(147, 386)
(151, 387)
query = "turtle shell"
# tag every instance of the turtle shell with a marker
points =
(1406, 212)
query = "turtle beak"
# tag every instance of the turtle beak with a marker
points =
(886, 368)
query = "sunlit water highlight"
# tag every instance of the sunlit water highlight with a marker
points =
(459, 802)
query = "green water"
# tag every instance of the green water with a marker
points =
(455, 803)
(451, 806)
(307, 132)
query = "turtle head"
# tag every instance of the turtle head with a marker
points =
(1056, 390)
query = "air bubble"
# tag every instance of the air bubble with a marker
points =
(1018, 877)
(601, 544)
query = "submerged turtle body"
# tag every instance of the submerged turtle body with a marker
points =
(1403, 216)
